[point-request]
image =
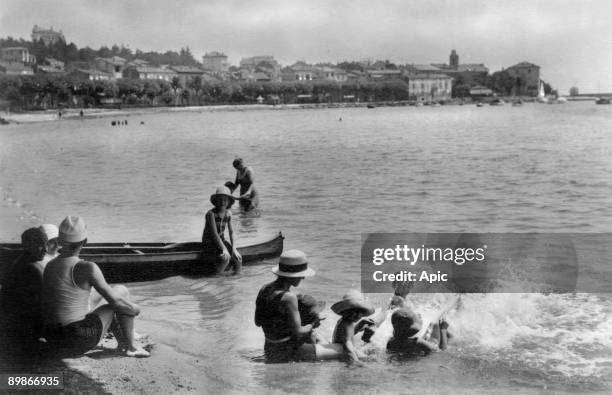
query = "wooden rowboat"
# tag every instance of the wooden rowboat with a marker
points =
(125, 262)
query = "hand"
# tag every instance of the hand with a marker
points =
(236, 254)
(316, 322)
(225, 255)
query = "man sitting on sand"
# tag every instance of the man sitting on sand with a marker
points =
(67, 284)
(20, 297)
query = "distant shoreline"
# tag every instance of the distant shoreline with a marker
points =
(92, 113)
(89, 113)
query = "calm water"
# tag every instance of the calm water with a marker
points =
(324, 181)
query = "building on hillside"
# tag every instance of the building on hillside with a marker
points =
(113, 66)
(453, 60)
(17, 54)
(253, 76)
(91, 74)
(527, 78)
(54, 63)
(15, 68)
(51, 66)
(429, 87)
(328, 73)
(300, 71)
(137, 62)
(48, 36)
(215, 61)
(82, 65)
(149, 73)
(262, 64)
(470, 74)
(422, 69)
(255, 61)
(187, 74)
(384, 74)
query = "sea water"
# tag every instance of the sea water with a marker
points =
(325, 176)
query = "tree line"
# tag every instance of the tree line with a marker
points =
(43, 91)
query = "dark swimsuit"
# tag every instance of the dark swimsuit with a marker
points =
(280, 345)
(208, 243)
(245, 183)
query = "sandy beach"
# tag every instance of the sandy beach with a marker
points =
(103, 370)
(74, 113)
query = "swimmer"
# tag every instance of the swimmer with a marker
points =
(353, 307)
(409, 336)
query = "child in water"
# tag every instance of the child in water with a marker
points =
(309, 309)
(409, 336)
(215, 248)
(353, 307)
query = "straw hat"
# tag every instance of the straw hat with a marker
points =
(50, 230)
(72, 230)
(353, 299)
(293, 263)
(222, 191)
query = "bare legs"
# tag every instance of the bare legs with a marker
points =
(121, 325)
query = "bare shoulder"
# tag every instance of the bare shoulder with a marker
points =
(289, 298)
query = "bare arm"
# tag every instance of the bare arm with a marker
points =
(290, 303)
(443, 335)
(229, 229)
(88, 273)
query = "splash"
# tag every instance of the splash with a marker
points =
(555, 335)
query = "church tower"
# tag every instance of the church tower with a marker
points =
(454, 60)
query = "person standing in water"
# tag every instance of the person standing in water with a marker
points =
(249, 198)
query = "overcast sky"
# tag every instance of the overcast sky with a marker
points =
(570, 40)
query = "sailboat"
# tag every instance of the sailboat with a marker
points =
(541, 95)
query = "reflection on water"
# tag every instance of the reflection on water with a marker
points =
(323, 183)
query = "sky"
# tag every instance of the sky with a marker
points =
(570, 40)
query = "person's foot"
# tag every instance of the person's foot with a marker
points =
(137, 352)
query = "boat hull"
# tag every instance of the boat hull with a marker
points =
(128, 262)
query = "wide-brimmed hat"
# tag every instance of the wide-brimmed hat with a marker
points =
(72, 230)
(50, 230)
(293, 263)
(222, 191)
(353, 299)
